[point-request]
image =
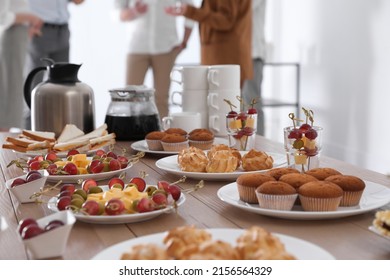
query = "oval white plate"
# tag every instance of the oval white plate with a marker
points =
(142, 146)
(59, 154)
(96, 176)
(117, 219)
(170, 165)
(301, 249)
(374, 196)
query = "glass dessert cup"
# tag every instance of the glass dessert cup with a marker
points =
(241, 129)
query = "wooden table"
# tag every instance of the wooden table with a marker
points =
(345, 238)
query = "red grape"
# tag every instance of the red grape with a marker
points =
(116, 181)
(31, 231)
(311, 134)
(63, 202)
(53, 224)
(35, 165)
(114, 164)
(68, 187)
(304, 127)
(295, 134)
(145, 204)
(33, 176)
(91, 207)
(252, 111)
(17, 182)
(25, 222)
(139, 182)
(70, 168)
(114, 206)
(88, 183)
(72, 152)
(175, 191)
(123, 161)
(51, 156)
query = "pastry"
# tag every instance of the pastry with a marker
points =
(258, 244)
(321, 173)
(153, 140)
(278, 172)
(276, 195)
(211, 250)
(352, 186)
(248, 183)
(320, 196)
(382, 222)
(145, 252)
(256, 160)
(192, 159)
(174, 142)
(222, 162)
(219, 147)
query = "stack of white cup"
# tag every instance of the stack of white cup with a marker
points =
(224, 84)
(204, 90)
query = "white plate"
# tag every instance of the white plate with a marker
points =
(374, 196)
(96, 176)
(301, 249)
(59, 154)
(170, 165)
(373, 229)
(142, 146)
(117, 219)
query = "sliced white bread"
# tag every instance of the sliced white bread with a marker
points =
(98, 132)
(40, 135)
(69, 132)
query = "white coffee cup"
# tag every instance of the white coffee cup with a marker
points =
(193, 101)
(190, 77)
(224, 77)
(184, 120)
(218, 108)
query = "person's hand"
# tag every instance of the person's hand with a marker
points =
(140, 7)
(35, 25)
(176, 10)
(77, 1)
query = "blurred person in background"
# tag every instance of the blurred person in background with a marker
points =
(154, 44)
(17, 24)
(54, 41)
(252, 87)
(225, 28)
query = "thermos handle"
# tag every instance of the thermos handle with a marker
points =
(28, 83)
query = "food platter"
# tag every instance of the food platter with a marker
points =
(96, 176)
(374, 196)
(301, 249)
(142, 146)
(59, 154)
(170, 165)
(118, 219)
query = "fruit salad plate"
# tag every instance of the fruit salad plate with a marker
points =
(118, 219)
(374, 196)
(301, 249)
(96, 176)
(59, 154)
(170, 165)
(142, 146)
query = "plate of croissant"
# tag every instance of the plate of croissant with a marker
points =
(220, 163)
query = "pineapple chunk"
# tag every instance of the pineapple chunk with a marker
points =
(79, 157)
(250, 122)
(82, 170)
(309, 144)
(235, 124)
(300, 159)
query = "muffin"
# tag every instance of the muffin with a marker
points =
(174, 142)
(352, 186)
(382, 222)
(256, 160)
(322, 173)
(175, 130)
(201, 139)
(297, 179)
(320, 196)
(248, 183)
(153, 140)
(276, 195)
(192, 159)
(280, 171)
(222, 162)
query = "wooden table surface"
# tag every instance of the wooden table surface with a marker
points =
(345, 238)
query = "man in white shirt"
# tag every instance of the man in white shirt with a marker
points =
(16, 24)
(53, 42)
(154, 43)
(252, 88)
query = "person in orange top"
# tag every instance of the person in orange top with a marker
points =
(225, 28)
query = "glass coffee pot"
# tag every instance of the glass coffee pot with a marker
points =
(132, 113)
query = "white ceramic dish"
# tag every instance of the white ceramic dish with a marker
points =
(170, 165)
(118, 219)
(96, 176)
(301, 249)
(59, 154)
(142, 146)
(51, 243)
(3, 224)
(24, 192)
(374, 196)
(373, 229)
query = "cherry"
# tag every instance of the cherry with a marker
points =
(304, 127)
(91, 207)
(114, 206)
(88, 183)
(139, 182)
(17, 182)
(25, 222)
(72, 152)
(295, 134)
(311, 134)
(114, 181)
(31, 231)
(70, 168)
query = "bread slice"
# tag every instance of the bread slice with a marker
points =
(69, 132)
(31, 149)
(40, 135)
(98, 132)
(70, 145)
(99, 142)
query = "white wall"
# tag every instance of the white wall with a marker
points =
(343, 48)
